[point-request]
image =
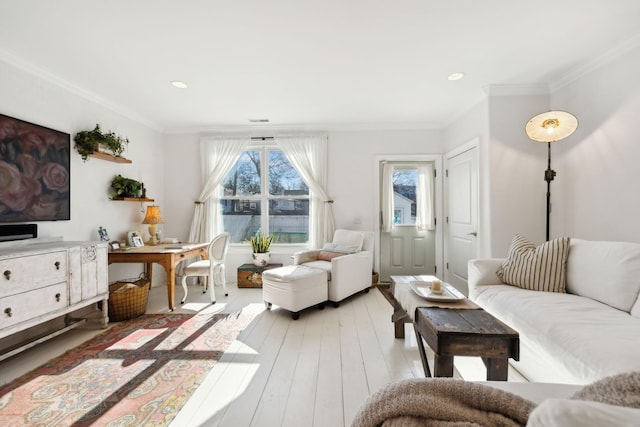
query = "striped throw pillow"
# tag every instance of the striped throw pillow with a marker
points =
(541, 268)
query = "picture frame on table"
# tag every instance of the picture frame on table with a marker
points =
(131, 235)
(137, 242)
(114, 245)
(102, 233)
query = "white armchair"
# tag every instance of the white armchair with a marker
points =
(348, 261)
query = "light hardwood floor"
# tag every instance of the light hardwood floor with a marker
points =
(315, 371)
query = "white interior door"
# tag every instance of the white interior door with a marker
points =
(461, 204)
(406, 250)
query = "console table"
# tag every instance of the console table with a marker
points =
(167, 255)
(44, 280)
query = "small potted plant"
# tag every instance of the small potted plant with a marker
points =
(91, 141)
(125, 187)
(260, 245)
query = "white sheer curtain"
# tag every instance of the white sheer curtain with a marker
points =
(386, 201)
(308, 155)
(218, 155)
(424, 198)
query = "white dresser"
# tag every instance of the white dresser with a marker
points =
(40, 281)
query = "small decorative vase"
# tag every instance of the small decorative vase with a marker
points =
(261, 259)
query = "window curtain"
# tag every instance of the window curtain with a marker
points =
(386, 202)
(424, 198)
(308, 155)
(218, 155)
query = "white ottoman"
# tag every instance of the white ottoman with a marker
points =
(294, 288)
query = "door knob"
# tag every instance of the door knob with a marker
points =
(474, 234)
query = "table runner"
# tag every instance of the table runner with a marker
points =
(409, 301)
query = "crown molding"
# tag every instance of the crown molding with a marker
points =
(596, 63)
(264, 129)
(516, 90)
(19, 63)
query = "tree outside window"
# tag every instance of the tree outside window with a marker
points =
(253, 184)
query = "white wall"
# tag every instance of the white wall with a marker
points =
(516, 166)
(28, 97)
(351, 181)
(599, 187)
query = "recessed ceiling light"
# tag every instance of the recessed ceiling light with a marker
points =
(455, 76)
(179, 84)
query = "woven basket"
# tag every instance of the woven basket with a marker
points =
(128, 302)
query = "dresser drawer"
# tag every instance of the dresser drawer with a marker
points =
(28, 305)
(22, 274)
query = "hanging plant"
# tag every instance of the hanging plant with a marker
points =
(90, 141)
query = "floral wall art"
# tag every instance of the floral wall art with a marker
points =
(34, 172)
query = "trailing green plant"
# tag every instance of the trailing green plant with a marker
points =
(260, 243)
(125, 187)
(88, 141)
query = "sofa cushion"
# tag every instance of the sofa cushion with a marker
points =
(539, 269)
(346, 241)
(579, 413)
(608, 272)
(585, 339)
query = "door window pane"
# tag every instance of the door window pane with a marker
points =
(405, 182)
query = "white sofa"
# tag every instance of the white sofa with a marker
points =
(348, 261)
(589, 332)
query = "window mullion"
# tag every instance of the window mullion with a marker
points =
(264, 185)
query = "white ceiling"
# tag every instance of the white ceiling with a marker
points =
(303, 62)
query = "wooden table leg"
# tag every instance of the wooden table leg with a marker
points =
(150, 272)
(497, 368)
(443, 366)
(423, 353)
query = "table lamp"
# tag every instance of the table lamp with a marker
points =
(153, 218)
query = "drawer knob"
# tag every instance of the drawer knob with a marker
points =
(7, 274)
(8, 312)
(57, 264)
(58, 297)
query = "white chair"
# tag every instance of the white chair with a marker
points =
(348, 261)
(212, 268)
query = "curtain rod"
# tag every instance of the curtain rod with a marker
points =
(258, 138)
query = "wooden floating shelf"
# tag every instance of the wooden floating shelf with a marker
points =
(133, 199)
(109, 157)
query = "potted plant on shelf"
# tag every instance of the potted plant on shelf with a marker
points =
(125, 187)
(260, 245)
(90, 141)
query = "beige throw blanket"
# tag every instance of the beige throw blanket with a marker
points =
(453, 402)
(442, 402)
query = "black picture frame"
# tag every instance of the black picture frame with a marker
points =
(35, 165)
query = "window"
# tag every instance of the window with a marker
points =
(405, 181)
(254, 184)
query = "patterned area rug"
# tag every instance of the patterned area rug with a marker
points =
(139, 372)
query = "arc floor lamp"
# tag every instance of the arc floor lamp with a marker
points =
(550, 127)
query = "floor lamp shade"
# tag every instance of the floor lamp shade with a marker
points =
(550, 127)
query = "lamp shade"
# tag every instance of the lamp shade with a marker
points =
(551, 126)
(153, 215)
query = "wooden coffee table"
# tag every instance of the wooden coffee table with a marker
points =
(462, 332)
